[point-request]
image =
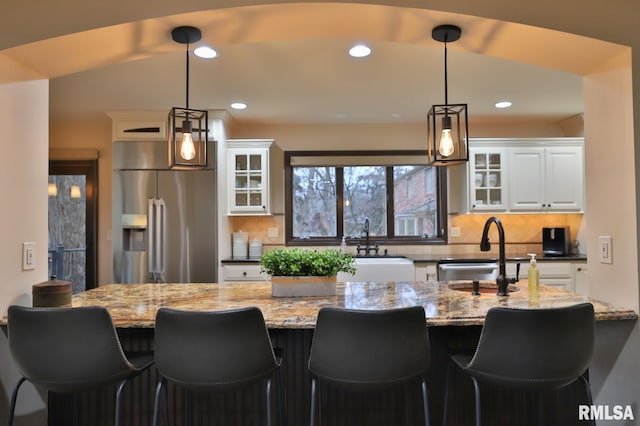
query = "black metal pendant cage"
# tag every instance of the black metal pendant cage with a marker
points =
(181, 121)
(439, 118)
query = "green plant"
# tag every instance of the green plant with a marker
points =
(300, 262)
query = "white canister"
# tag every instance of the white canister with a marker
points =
(255, 249)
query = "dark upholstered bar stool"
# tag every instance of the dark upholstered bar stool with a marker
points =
(212, 351)
(370, 351)
(69, 350)
(530, 349)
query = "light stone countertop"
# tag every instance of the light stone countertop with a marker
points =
(135, 305)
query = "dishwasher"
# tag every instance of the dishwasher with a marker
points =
(467, 270)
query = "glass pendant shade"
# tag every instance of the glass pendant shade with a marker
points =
(448, 135)
(188, 129)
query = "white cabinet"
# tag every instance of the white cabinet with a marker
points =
(248, 177)
(554, 273)
(426, 271)
(243, 273)
(547, 178)
(581, 285)
(487, 179)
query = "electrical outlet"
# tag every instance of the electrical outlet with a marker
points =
(454, 231)
(273, 232)
(28, 256)
(605, 248)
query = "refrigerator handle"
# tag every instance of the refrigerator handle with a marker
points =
(151, 218)
(162, 227)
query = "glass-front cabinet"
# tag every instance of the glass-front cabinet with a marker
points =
(248, 163)
(487, 174)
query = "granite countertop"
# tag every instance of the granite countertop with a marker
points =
(135, 305)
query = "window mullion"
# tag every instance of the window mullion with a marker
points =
(390, 203)
(340, 202)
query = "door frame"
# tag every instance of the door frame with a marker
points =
(88, 168)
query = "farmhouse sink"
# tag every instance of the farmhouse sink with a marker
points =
(484, 286)
(381, 268)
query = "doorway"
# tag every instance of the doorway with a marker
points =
(73, 222)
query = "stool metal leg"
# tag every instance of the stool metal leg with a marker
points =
(14, 397)
(119, 402)
(450, 370)
(159, 389)
(314, 402)
(268, 391)
(477, 401)
(587, 389)
(425, 403)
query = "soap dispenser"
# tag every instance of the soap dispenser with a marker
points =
(533, 276)
(343, 245)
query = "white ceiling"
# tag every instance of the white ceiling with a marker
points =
(302, 74)
(315, 81)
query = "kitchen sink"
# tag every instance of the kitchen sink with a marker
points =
(381, 268)
(484, 286)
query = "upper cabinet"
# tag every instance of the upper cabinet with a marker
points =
(546, 178)
(487, 172)
(524, 175)
(248, 168)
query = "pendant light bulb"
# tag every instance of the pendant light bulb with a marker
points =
(446, 142)
(187, 148)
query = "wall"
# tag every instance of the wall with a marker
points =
(23, 186)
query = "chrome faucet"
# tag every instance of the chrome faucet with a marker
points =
(367, 247)
(502, 281)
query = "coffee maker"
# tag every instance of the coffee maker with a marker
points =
(555, 241)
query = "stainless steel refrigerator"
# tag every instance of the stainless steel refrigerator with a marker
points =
(164, 221)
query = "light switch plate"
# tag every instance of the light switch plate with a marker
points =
(605, 247)
(28, 256)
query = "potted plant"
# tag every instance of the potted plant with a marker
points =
(303, 272)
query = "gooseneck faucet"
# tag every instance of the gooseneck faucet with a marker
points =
(367, 247)
(502, 281)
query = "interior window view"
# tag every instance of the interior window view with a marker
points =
(319, 213)
(364, 195)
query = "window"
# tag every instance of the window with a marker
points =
(329, 195)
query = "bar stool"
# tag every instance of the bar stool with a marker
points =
(69, 350)
(212, 351)
(370, 350)
(530, 349)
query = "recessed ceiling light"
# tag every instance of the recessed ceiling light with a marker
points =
(395, 115)
(238, 105)
(205, 52)
(503, 104)
(360, 51)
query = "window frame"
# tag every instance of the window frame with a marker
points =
(441, 184)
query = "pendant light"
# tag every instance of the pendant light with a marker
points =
(448, 129)
(188, 127)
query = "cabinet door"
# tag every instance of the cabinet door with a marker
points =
(526, 179)
(487, 179)
(565, 176)
(248, 180)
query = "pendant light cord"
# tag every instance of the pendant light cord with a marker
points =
(446, 91)
(187, 105)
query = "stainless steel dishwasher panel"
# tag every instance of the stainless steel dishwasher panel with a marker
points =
(450, 271)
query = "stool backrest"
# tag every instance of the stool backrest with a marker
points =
(535, 348)
(369, 349)
(66, 349)
(213, 350)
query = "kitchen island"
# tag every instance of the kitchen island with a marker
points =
(455, 319)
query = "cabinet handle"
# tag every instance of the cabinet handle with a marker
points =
(579, 269)
(244, 274)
